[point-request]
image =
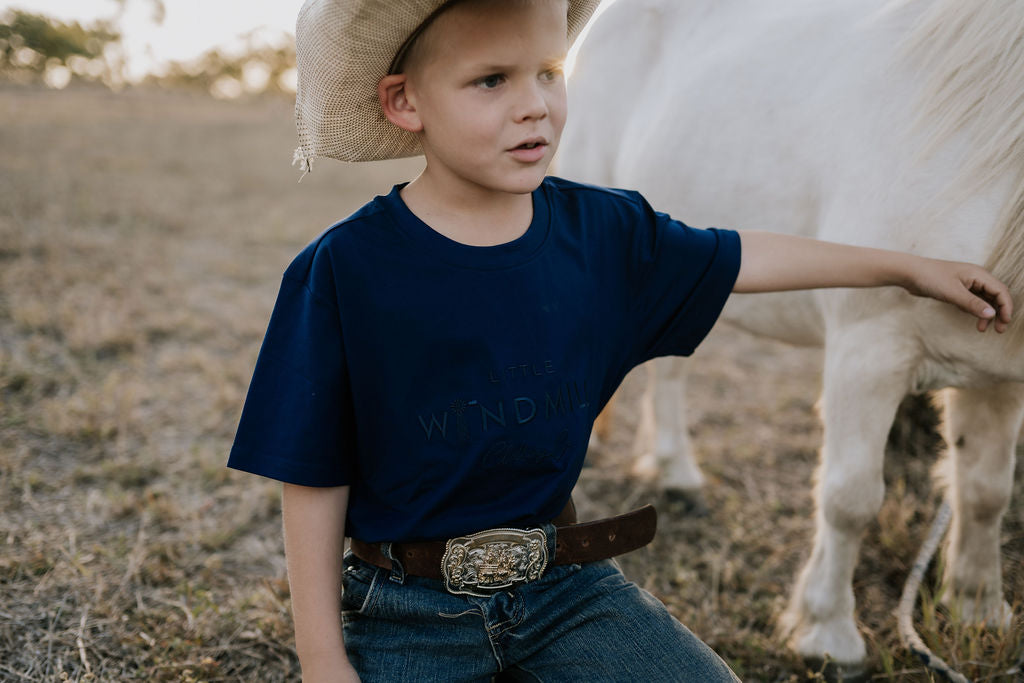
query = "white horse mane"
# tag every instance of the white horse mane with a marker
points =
(973, 57)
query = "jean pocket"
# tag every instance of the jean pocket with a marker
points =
(361, 583)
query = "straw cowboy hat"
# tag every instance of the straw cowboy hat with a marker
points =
(343, 48)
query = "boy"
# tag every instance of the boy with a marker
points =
(435, 361)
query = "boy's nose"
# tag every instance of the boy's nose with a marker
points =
(532, 104)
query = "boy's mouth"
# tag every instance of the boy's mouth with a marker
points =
(530, 151)
(532, 143)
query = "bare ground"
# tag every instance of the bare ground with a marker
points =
(142, 238)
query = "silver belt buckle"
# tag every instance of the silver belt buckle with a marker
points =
(488, 561)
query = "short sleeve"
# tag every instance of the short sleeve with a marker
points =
(682, 277)
(297, 423)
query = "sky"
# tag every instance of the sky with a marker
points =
(189, 28)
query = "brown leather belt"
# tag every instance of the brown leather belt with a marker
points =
(574, 543)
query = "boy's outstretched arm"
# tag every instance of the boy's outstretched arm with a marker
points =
(314, 531)
(774, 262)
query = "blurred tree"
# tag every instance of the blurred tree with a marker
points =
(258, 68)
(49, 39)
(37, 48)
(34, 47)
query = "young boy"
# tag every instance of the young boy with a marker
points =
(435, 361)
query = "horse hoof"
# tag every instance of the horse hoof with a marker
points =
(835, 672)
(687, 502)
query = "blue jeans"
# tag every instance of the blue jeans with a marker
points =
(576, 623)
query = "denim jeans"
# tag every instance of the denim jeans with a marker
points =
(576, 623)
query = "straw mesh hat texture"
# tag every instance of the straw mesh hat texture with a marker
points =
(343, 48)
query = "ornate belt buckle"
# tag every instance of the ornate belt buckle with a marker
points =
(488, 561)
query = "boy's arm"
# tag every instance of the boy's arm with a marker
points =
(314, 531)
(774, 262)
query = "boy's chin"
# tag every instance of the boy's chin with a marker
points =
(525, 188)
(527, 182)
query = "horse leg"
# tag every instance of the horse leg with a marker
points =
(663, 448)
(981, 431)
(864, 381)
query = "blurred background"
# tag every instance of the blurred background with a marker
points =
(147, 211)
(223, 47)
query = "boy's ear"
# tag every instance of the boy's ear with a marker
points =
(397, 106)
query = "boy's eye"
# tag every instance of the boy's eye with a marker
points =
(551, 74)
(490, 82)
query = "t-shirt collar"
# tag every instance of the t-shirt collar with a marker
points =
(506, 255)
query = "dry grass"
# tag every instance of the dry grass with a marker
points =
(142, 237)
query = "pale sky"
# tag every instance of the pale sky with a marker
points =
(190, 27)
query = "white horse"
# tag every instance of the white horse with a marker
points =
(860, 121)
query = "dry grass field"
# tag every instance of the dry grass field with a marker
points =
(142, 238)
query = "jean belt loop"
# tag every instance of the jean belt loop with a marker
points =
(552, 536)
(397, 570)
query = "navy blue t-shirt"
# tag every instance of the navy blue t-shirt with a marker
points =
(454, 387)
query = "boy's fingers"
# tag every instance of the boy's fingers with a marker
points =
(984, 312)
(1004, 304)
(999, 296)
(976, 304)
(992, 302)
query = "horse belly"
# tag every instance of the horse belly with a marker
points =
(792, 317)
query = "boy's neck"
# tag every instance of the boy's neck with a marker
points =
(475, 216)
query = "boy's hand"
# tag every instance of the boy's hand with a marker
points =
(968, 287)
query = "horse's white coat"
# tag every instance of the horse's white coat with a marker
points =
(827, 119)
